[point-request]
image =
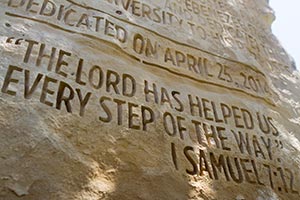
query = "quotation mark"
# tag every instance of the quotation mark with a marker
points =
(10, 40)
(279, 144)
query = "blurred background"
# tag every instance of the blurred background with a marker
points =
(287, 26)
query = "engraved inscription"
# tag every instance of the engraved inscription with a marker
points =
(211, 138)
(152, 49)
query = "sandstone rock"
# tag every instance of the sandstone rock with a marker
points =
(122, 99)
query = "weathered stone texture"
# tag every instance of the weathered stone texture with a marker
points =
(160, 100)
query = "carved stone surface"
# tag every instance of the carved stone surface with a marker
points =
(160, 100)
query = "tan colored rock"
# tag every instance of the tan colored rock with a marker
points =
(160, 100)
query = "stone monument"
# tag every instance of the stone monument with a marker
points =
(149, 100)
